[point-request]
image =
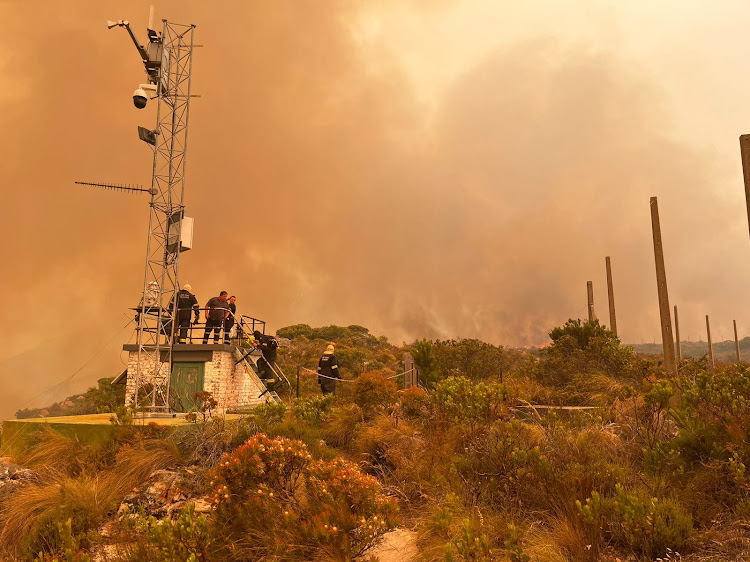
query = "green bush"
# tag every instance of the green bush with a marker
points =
(714, 414)
(648, 526)
(459, 400)
(71, 547)
(312, 410)
(584, 348)
(186, 539)
(471, 545)
(471, 358)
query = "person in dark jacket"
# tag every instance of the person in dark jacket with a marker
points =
(217, 310)
(186, 303)
(268, 346)
(229, 322)
(328, 370)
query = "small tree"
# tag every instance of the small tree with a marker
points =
(426, 362)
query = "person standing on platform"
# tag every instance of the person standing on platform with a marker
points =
(229, 322)
(186, 303)
(328, 371)
(217, 311)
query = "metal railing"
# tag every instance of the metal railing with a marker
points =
(240, 330)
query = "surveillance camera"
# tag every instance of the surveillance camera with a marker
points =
(140, 99)
(140, 96)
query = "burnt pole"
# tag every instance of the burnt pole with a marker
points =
(710, 345)
(590, 300)
(745, 155)
(661, 284)
(611, 296)
(677, 335)
(736, 341)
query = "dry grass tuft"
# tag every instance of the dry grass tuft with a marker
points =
(560, 540)
(339, 426)
(63, 453)
(29, 517)
(137, 462)
(604, 388)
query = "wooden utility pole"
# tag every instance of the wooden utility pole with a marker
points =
(736, 341)
(745, 154)
(590, 298)
(410, 370)
(710, 346)
(611, 295)
(661, 284)
(677, 335)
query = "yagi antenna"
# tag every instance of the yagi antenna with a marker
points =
(118, 187)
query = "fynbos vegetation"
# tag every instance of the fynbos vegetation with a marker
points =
(631, 465)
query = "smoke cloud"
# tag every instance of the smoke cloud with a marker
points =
(325, 192)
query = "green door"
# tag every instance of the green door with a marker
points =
(186, 380)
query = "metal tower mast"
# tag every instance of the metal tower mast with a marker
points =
(168, 58)
(161, 277)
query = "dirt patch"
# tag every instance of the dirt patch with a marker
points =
(397, 546)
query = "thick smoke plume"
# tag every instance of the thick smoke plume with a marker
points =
(325, 193)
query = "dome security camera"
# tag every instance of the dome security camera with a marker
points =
(140, 96)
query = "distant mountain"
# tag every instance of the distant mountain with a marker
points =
(723, 350)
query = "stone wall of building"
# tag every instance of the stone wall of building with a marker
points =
(246, 386)
(232, 386)
(147, 375)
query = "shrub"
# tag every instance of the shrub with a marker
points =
(313, 409)
(186, 539)
(272, 499)
(459, 400)
(269, 413)
(374, 392)
(470, 358)
(414, 402)
(646, 525)
(70, 546)
(714, 416)
(203, 443)
(472, 544)
(584, 348)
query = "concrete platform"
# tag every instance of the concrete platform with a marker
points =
(194, 351)
(91, 429)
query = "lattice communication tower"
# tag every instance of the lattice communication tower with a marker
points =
(168, 58)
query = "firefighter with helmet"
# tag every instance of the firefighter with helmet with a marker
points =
(186, 302)
(328, 371)
(268, 346)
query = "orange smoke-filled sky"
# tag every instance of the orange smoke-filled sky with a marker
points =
(425, 169)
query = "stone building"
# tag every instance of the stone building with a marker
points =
(216, 368)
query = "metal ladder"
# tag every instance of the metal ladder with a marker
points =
(250, 369)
